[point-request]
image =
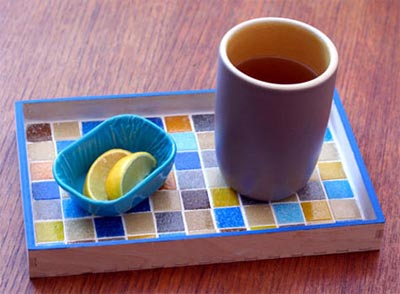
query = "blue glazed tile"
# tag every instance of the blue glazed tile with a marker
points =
(338, 189)
(288, 213)
(71, 210)
(195, 199)
(45, 190)
(229, 217)
(328, 136)
(109, 226)
(63, 144)
(185, 141)
(190, 179)
(169, 222)
(47, 209)
(89, 125)
(157, 121)
(143, 206)
(173, 235)
(209, 158)
(187, 160)
(203, 122)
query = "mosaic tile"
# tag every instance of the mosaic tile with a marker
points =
(345, 209)
(41, 151)
(214, 178)
(338, 189)
(259, 215)
(331, 170)
(87, 126)
(203, 122)
(49, 231)
(71, 210)
(79, 229)
(61, 145)
(328, 136)
(110, 226)
(46, 209)
(312, 191)
(179, 123)
(263, 227)
(190, 179)
(38, 132)
(145, 236)
(329, 152)
(250, 201)
(169, 222)
(232, 230)
(41, 170)
(184, 141)
(199, 221)
(206, 140)
(143, 206)
(45, 190)
(316, 211)
(157, 121)
(195, 199)
(222, 197)
(66, 131)
(288, 213)
(228, 217)
(291, 198)
(170, 182)
(140, 224)
(166, 201)
(187, 160)
(174, 235)
(209, 158)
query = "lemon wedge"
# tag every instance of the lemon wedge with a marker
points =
(128, 172)
(94, 186)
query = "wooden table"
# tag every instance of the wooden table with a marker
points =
(69, 48)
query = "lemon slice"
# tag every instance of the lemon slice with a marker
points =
(94, 186)
(128, 172)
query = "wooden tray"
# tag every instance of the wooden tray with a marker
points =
(194, 218)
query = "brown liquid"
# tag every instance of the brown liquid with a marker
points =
(277, 70)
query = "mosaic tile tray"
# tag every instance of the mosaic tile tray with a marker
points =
(195, 218)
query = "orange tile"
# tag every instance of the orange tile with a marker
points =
(41, 170)
(178, 124)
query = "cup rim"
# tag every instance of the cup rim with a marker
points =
(330, 70)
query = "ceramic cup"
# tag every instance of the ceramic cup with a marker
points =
(269, 135)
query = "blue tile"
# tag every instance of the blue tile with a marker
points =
(89, 125)
(228, 217)
(288, 213)
(172, 235)
(169, 222)
(72, 210)
(209, 158)
(190, 179)
(156, 120)
(328, 136)
(338, 189)
(109, 226)
(185, 141)
(143, 206)
(187, 160)
(63, 144)
(45, 190)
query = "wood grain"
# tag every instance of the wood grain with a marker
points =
(88, 47)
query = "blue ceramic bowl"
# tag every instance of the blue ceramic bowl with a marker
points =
(129, 132)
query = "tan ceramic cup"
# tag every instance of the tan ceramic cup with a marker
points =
(269, 136)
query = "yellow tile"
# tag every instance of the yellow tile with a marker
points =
(263, 227)
(166, 200)
(331, 170)
(315, 211)
(41, 170)
(178, 123)
(345, 209)
(224, 197)
(41, 151)
(66, 130)
(259, 215)
(49, 231)
(146, 236)
(139, 223)
(206, 140)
